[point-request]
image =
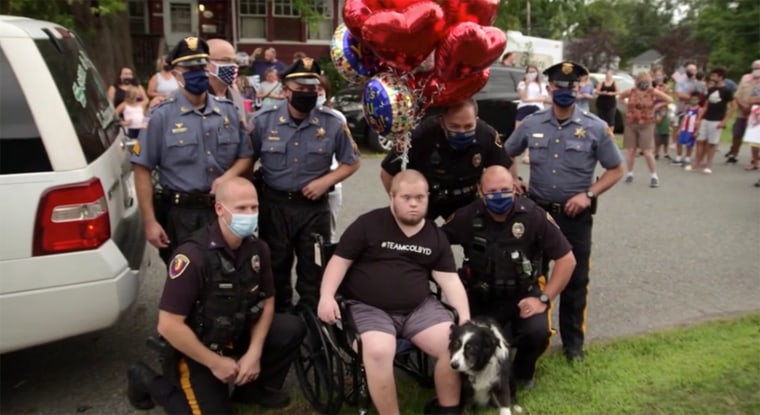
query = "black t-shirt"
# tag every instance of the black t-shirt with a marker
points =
(432, 155)
(718, 98)
(391, 271)
(541, 234)
(184, 283)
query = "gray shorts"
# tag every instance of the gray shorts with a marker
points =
(368, 318)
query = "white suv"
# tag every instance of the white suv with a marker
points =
(72, 250)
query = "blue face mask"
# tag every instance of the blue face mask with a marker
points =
(196, 81)
(321, 100)
(563, 97)
(242, 224)
(498, 202)
(460, 140)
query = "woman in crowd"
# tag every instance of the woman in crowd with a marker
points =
(585, 93)
(606, 101)
(117, 91)
(162, 83)
(533, 95)
(639, 124)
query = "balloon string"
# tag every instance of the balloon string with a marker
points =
(406, 144)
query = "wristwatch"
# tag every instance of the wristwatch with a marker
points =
(591, 195)
(544, 299)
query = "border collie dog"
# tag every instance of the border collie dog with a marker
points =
(480, 352)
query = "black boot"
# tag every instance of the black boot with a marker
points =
(434, 408)
(139, 378)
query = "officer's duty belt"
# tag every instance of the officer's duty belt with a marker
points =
(457, 191)
(289, 196)
(191, 200)
(551, 207)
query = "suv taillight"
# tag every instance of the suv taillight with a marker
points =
(71, 218)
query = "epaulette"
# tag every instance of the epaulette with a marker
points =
(331, 112)
(262, 112)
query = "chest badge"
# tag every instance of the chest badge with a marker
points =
(518, 230)
(580, 132)
(255, 263)
(477, 160)
(321, 132)
(179, 128)
(178, 265)
(226, 122)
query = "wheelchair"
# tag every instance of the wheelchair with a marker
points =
(330, 371)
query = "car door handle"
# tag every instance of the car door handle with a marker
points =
(128, 144)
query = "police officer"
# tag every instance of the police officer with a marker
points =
(565, 144)
(223, 71)
(451, 151)
(504, 240)
(217, 315)
(296, 143)
(195, 141)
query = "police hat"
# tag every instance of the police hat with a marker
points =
(190, 51)
(304, 71)
(565, 74)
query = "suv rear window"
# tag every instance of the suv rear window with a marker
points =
(21, 149)
(83, 94)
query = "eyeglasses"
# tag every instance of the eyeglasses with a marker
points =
(499, 194)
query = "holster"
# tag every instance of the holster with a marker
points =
(168, 356)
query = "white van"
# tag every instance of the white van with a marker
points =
(72, 247)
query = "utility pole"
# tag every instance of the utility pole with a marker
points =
(527, 12)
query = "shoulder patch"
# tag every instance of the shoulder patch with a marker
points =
(136, 148)
(497, 140)
(178, 265)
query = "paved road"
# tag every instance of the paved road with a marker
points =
(662, 257)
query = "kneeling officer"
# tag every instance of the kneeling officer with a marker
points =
(504, 240)
(217, 312)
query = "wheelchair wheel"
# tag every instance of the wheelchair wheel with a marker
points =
(319, 368)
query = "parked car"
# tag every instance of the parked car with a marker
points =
(624, 81)
(497, 103)
(72, 254)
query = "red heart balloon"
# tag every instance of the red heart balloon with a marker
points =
(443, 93)
(397, 5)
(355, 13)
(404, 39)
(467, 48)
(482, 12)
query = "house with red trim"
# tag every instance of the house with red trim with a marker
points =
(156, 25)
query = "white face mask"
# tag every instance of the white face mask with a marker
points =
(321, 100)
(531, 76)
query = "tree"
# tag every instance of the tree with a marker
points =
(733, 33)
(595, 50)
(103, 27)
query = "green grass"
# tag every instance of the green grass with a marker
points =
(711, 368)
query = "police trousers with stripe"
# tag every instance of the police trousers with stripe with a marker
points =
(197, 391)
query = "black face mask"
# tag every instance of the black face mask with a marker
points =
(303, 102)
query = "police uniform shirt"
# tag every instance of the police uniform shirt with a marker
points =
(184, 284)
(526, 221)
(390, 270)
(432, 155)
(292, 155)
(563, 156)
(191, 147)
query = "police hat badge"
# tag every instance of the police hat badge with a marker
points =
(256, 263)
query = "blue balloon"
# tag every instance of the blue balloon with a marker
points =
(388, 105)
(351, 58)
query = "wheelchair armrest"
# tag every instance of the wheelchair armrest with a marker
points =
(438, 293)
(323, 250)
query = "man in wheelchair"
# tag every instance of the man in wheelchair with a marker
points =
(384, 260)
(505, 238)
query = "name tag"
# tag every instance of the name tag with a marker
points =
(271, 138)
(538, 135)
(178, 130)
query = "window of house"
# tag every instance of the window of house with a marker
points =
(286, 21)
(323, 28)
(253, 19)
(138, 17)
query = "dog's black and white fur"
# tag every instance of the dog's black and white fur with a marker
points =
(479, 350)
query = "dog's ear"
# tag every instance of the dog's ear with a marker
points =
(453, 329)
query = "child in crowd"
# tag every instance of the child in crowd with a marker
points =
(661, 131)
(689, 128)
(132, 111)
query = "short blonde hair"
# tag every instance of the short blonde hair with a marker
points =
(409, 176)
